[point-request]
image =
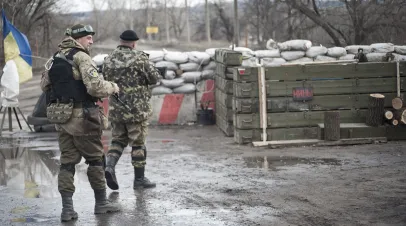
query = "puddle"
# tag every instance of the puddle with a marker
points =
(272, 162)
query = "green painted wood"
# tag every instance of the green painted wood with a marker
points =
(226, 127)
(224, 85)
(223, 98)
(228, 57)
(224, 112)
(320, 88)
(244, 136)
(356, 130)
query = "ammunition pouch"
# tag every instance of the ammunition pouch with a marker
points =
(59, 113)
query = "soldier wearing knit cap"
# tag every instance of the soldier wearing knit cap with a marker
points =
(134, 74)
(76, 86)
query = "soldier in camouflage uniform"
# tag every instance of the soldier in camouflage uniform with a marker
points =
(73, 78)
(133, 73)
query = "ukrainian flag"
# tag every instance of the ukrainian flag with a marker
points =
(17, 48)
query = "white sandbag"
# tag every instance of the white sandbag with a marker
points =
(300, 60)
(399, 57)
(186, 88)
(211, 52)
(292, 55)
(159, 90)
(400, 50)
(210, 66)
(155, 55)
(272, 62)
(336, 52)
(272, 53)
(353, 49)
(207, 74)
(189, 66)
(376, 57)
(325, 58)
(250, 62)
(174, 83)
(347, 57)
(297, 44)
(201, 58)
(176, 57)
(247, 52)
(315, 51)
(271, 44)
(167, 64)
(192, 76)
(170, 74)
(99, 59)
(382, 47)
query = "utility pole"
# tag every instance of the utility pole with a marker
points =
(166, 22)
(187, 22)
(236, 24)
(148, 20)
(208, 22)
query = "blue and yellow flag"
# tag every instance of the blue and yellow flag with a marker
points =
(17, 48)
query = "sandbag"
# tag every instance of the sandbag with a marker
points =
(176, 57)
(159, 90)
(292, 55)
(272, 62)
(186, 88)
(399, 57)
(271, 44)
(297, 44)
(336, 52)
(170, 74)
(207, 74)
(250, 62)
(201, 58)
(210, 66)
(324, 58)
(99, 59)
(274, 53)
(347, 57)
(168, 65)
(155, 55)
(174, 83)
(189, 66)
(315, 51)
(400, 50)
(211, 52)
(300, 60)
(376, 57)
(246, 52)
(382, 47)
(192, 77)
(353, 49)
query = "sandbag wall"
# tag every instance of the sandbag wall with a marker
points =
(225, 61)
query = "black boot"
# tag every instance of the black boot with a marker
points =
(68, 213)
(102, 204)
(140, 181)
(110, 173)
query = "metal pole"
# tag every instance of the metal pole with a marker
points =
(236, 24)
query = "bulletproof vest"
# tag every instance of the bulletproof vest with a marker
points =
(65, 88)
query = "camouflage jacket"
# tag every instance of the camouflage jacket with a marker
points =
(133, 73)
(96, 86)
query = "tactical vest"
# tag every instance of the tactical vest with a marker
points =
(65, 88)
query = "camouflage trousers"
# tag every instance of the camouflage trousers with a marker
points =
(132, 134)
(73, 148)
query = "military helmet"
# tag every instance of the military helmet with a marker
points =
(79, 30)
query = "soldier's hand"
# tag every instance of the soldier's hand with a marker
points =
(116, 88)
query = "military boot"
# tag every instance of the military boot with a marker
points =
(140, 181)
(68, 213)
(102, 204)
(110, 173)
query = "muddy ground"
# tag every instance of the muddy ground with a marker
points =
(205, 179)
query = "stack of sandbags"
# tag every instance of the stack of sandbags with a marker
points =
(184, 70)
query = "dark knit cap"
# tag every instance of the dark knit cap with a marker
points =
(129, 35)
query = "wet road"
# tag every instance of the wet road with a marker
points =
(205, 179)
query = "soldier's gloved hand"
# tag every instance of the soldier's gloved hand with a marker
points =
(116, 88)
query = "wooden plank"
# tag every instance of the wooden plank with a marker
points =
(226, 127)
(286, 143)
(320, 88)
(355, 130)
(224, 99)
(251, 135)
(396, 132)
(224, 112)
(224, 85)
(262, 103)
(350, 70)
(319, 103)
(295, 119)
(311, 142)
